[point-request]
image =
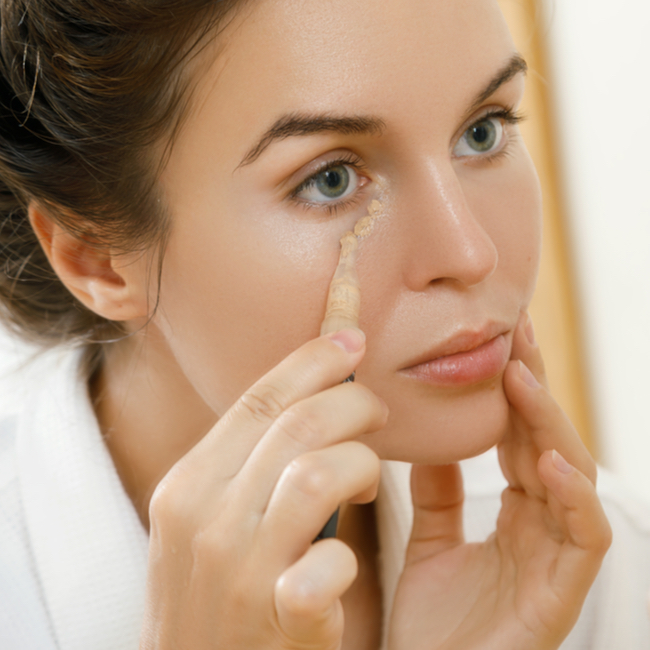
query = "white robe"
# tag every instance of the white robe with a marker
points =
(73, 553)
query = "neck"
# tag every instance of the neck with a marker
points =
(149, 413)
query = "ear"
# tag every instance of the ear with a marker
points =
(113, 286)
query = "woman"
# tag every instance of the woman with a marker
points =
(187, 170)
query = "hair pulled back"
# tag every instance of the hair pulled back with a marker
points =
(88, 91)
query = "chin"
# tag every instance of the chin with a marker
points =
(443, 429)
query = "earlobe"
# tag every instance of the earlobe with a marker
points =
(113, 286)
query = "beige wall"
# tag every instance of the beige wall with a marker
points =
(599, 58)
(554, 309)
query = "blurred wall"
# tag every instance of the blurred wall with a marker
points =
(554, 307)
(598, 55)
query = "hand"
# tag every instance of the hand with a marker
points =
(524, 587)
(231, 560)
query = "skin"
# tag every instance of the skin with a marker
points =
(245, 278)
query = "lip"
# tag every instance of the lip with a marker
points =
(470, 357)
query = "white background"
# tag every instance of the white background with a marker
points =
(600, 80)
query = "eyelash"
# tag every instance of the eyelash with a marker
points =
(508, 115)
(350, 159)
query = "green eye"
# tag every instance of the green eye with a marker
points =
(482, 137)
(332, 183)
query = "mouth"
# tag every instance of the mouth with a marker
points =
(470, 357)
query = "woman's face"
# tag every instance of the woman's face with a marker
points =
(405, 101)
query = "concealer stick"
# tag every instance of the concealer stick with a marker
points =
(344, 298)
(344, 303)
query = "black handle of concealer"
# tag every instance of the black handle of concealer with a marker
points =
(329, 529)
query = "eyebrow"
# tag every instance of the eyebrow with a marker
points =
(297, 124)
(515, 66)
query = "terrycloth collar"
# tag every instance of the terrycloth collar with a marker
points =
(394, 520)
(88, 543)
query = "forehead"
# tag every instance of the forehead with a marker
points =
(377, 57)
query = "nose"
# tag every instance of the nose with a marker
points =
(446, 240)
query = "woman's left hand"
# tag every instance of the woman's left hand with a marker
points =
(523, 588)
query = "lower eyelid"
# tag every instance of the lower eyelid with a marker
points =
(487, 158)
(362, 180)
(333, 207)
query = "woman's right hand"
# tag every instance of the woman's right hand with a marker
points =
(231, 559)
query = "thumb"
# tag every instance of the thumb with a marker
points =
(437, 494)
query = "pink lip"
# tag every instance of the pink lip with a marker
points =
(469, 358)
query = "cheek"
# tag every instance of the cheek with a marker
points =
(235, 302)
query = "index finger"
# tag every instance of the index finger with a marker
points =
(538, 424)
(525, 348)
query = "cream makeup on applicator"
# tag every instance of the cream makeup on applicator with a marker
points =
(344, 302)
(344, 298)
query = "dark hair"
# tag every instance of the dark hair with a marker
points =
(91, 91)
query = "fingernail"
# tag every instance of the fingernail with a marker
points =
(527, 376)
(560, 464)
(530, 331)
(350, 340)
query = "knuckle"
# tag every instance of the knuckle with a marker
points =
(298, 598)
(213, 549)
(371, 402)
(310, 477)
(302, 425)
(176, 501)
(264, 402)
(366, 458)
(167, 502)
(373, 460)
(606, 537)
(224, 540)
